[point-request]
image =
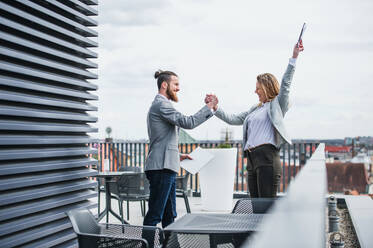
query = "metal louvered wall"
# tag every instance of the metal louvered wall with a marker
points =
(45, 119)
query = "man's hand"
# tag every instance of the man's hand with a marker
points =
(297, 49)
(212, 101)
(208, 98)
(185, 156)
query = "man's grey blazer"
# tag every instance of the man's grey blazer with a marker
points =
(276, 111)
(163, 129)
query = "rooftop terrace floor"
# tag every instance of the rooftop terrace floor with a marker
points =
(135, 210)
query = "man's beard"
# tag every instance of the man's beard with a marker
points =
(172, 94)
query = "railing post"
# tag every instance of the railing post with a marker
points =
(135, 154)
(126, 161)
(244, 169)
(283, 168)
(110, 156)
(238, 172)
(121, 154)
(289, 162)
(116, 159)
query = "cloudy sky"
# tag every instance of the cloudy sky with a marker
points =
(220, 46)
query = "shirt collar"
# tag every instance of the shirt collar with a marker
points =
(260, 105)
(163, 96)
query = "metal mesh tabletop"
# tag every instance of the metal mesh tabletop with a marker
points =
(211, 230)
(216, 223)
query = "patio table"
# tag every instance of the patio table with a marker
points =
(211, 229)
(108, 176)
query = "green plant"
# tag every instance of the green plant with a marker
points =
(225, 145)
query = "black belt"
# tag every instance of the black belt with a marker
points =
(252, 149)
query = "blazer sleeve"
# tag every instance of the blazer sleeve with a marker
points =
(283, 96)
(232, 119)
(171, 115)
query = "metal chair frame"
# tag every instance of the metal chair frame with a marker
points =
(92, 234)
(130, 188)
(253, 205)
(182, 189)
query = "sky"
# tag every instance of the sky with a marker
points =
(219, 46)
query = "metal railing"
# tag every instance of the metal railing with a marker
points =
(113, 155)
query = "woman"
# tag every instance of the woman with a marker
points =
(264, 130)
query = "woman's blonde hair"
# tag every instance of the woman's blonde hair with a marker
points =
(269, 85)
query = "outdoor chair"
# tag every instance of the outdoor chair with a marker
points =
(92, 234)
(253, 206)
(128, 188)
(182, 189)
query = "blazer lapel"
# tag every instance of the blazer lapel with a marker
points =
(244, 137)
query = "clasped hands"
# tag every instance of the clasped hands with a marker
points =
(212, 101)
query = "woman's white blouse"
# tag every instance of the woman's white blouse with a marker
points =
(259, 128)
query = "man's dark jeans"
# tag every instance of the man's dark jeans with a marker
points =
(162, 200)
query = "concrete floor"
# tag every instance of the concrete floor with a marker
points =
(136, 218)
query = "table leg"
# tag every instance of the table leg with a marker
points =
(107, 203)
(115, 215)
(108, 208)
(102, 214)
(105, 211)
(107, 200)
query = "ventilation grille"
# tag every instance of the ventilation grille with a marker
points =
(45, 119)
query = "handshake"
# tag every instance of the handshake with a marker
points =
(211, 101)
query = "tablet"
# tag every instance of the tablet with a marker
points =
(301, 33)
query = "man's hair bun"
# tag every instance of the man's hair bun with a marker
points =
(157, 73)
(163, 76)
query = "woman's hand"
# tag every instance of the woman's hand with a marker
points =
(212, 99)
(297, 49)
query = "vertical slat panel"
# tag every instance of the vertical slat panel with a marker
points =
(283, 167)
(111, 155)
(189, 150)
(46, 152)
(121, 155)
(139, 154)
(289, 162)
(127, 154)
(131, 154)
(145, 154)
(183, 150)
(135, 154)
(102, 156)
(238, 170)
(244, 169)
(117, 157)
(294, 161)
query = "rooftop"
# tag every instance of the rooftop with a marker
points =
(48, 158)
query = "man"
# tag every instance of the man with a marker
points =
(163, 161)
